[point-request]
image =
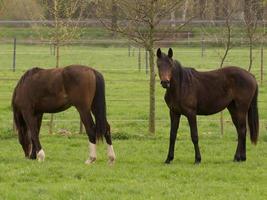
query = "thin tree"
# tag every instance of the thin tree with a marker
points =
(65, 16)
(251, 17)
(141, 21)
(222, 34)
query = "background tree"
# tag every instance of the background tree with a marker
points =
(141, 23)
(251, 19)
(65, 16)
(222, 33)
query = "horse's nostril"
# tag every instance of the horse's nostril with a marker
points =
(165, 84)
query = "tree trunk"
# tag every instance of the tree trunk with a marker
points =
(250, 54)
(202, 7)
(225, 5)
(57, 65)
(57, 55)
(185, 9)
(173, 19)
(261, 63)
(114, 19)
(152, 92)
(217, 9)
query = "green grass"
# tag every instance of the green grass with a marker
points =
(139, 172)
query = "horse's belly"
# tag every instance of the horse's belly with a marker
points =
(53, 105)
(208, 112)
(211, 108)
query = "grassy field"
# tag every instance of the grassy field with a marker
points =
(139, 172)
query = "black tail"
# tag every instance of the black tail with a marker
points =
(99, 107)
(253, 119)
(16, 115)
(21, 127)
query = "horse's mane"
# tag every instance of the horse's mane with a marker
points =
(184, 72)
(26, 75)
(183, 75)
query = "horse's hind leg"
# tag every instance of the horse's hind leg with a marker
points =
(239, 120)
(33, 130)
(89, 125)
(111, 153)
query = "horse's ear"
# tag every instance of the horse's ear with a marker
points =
(159, 53)
(170, 53)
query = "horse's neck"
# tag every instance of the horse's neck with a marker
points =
(176, 81)
(177, 76)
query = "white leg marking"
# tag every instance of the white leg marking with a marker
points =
(92, 154)
(111, 154)
(41, 155)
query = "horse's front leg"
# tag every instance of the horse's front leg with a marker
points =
(194, 136)
(32, 122)
(175, 120)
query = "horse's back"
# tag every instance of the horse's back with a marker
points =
(216, 89)
(78, 76)
(56, 89)
(239, 75)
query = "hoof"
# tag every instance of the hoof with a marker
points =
(90, 161)
(239, 159)
(243, 158)
(111, 155)
(197, 161)
(111, 162)
(41, 155)
(33, 156)
(111, 159)
(168, 161)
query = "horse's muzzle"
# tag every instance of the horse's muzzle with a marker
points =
(165, 84)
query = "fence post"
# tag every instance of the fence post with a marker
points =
(14, 55)
(188, 38)
(51, 49)
(202, 45)
(129, 50)
(139, 59)
(133, 51)
(51, 124)
(261, 63)
(222, 122)
(146, 62)
(54, 52)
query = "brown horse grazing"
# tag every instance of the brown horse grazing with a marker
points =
(54, 90)
(192, 93)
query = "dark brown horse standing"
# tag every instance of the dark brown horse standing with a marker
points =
(54, 90)
(193, 93)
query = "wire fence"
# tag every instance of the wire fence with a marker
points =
(18, 55)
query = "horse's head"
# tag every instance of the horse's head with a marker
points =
(165, 66)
